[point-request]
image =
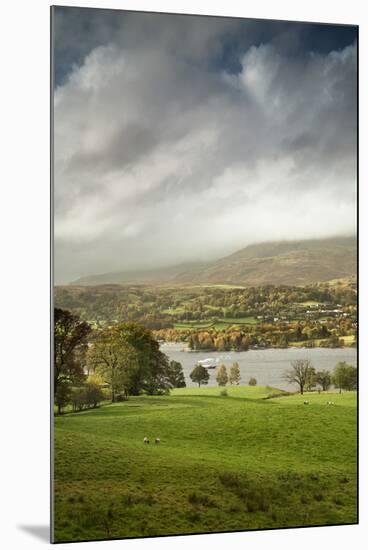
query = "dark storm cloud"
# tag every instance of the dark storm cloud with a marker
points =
(181, 138)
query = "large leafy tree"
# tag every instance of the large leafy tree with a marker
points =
(323, 379)
(116, 361)
(70, 346)
(153, 365)
(176, 375)
(345, 376)
(130, 360)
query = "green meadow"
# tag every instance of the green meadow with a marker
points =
(245, 460)
(221, 324)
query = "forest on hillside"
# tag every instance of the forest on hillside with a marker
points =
(222, 317)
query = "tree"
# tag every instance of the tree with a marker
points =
(221, 376)
(200, 375)
(311, 379)
(323, 379)
(128, 358)
(114, 360)
(152, 372)
(70, 345)
(234, 376)
(176, 375)
(300, 373)
(345, 376)
(62, 395)
(252, 382)
(95, 379)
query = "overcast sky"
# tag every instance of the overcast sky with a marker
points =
(184, 138)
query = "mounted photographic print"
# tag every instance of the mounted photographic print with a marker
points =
(204, 369)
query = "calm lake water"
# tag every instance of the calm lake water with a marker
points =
(267, 366)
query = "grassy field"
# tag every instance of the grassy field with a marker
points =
(194, 325)
(348, 341)
(239, 321)
(224, 463)
(221, 324)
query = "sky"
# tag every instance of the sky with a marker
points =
(185, 138)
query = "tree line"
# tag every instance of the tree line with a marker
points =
(158, 308)
(123, 360)
(200, 375)
(304, 374)
(278, 334)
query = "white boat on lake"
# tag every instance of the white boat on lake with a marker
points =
(208, 363)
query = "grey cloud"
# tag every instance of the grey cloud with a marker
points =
(160, 157)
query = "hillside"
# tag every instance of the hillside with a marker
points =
(223, 464)
(149, 276)
(277, 263)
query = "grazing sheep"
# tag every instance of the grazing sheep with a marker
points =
(330, 403)
(157, 440)
(306, 402)
(146, 440)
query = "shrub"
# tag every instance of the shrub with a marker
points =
(252, 382)
(223, 393)
(88, 395)
(93, 394)
(121, 397)
(78, 399)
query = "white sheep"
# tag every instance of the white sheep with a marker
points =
(145, 440)
(157, 440)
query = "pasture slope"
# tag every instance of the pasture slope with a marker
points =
(225, 463)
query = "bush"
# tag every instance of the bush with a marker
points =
(92, 394)
(252, 382)
(89, 395)
(223, 393)
(121, 397)
(78, 399)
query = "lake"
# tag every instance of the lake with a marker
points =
(267, 366)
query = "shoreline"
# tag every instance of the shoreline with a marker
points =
(254, 349)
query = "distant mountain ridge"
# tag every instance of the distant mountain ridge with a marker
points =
(279, 263)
